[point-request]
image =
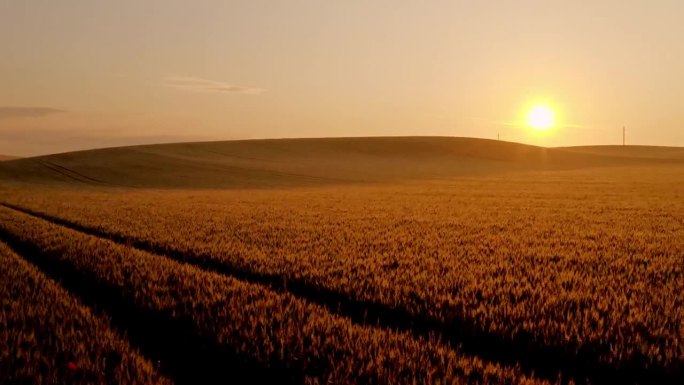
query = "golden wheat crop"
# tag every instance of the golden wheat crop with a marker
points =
(584, 264)
(47, 337)
(274, 329)
(590, 266)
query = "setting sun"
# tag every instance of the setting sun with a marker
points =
(540, 117)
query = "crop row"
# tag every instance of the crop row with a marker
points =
(275, 330)
(48, 337)
(596, 283)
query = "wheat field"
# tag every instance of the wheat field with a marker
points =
(567, 274)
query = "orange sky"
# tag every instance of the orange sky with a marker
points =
(78, 74)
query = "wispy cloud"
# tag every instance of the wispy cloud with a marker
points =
(40, 141)
(27, 112)
(194, 84)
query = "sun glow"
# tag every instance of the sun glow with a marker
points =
(540, 117)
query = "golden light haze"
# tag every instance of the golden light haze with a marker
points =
(82, 74)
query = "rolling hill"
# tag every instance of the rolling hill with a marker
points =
(643, 152)
(304, 162)
(7, 157)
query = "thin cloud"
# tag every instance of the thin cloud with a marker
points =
(28, 112)
(17, 141)
(205, 85)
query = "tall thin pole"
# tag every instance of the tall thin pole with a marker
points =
(623, 135)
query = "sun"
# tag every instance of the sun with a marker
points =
(540, 117)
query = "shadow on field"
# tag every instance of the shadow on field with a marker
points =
(171, 344)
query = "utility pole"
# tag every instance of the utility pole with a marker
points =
(497, 136)
(623, 135)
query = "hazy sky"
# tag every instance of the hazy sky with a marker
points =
(80, 73)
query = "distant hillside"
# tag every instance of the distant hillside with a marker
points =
(296, 162)
(642, 152)
(7, 157)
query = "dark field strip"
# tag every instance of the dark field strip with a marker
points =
(48, 337)
(199, 311)
(533, 358)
